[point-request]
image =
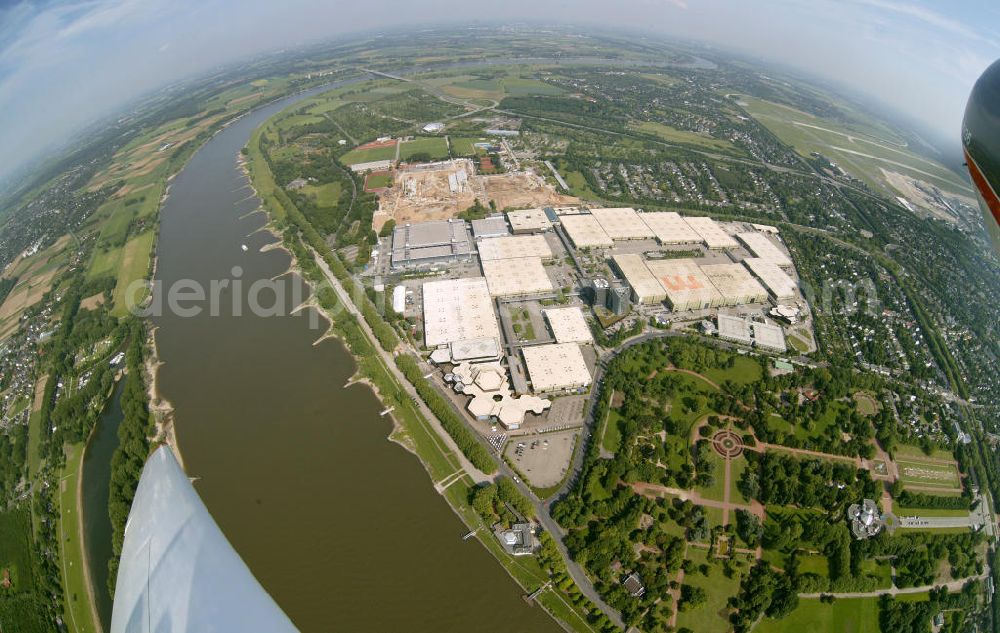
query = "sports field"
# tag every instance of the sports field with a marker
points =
(465, 145)
(434, 146)
(858, 615)
(356, 156)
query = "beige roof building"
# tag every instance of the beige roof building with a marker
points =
(710, 232)
(487, 385)
(736, 285)
(586, 231)
(778, 283)
(516, 277)
(568, 325)
(514, 246)
(686, 286)
(528, 221)
(556, 367)
(646, 288)
(622, 223)
(670, 228)
(457, 310)
(762, 247)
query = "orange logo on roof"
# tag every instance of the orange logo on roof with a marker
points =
(681, 282)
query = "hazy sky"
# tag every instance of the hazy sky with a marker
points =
(62, 64)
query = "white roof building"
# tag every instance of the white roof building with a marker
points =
(736, 285)
(568, 325)
(516, 277)
(528, 221)
(646, 288)
(514, 246)
(457, 310)
(778, 283)
(769, 336)
(586, 231)
(622, 223)
(762, 247)
(434, 127)
(735, 329)
(374, 165)
(670, 228)
(556, 367)
(686, 286)
(710, 232)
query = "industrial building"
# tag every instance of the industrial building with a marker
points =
(568, 325)
(585, 231)
(622, 224)
(710, 232)
(556, 367)
(516, 277)
(457, 310)
(763, 248)
(735, 329)
(768, 336)
(736, 285)
(528, 221)
(646, 288)
(686, 286)
(493, 226)
(375, 165)
(779, 284)
(427, 243)
(670, 228)
(514, 246)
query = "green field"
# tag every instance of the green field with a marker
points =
(684, 137)
(378, 181)
(134, 265)
(356, 156)
(902, 451)
(859, 148)
(325, 195)
(866, 403)
(708, 617)
(612, 432)
(435, 146)
(15, 550)
(902, 511)
(856, 615)
(517, 86)
(737, 467)
(78, 612)
(929, 474)
(717, 491)
(464, 145)
(743, 372)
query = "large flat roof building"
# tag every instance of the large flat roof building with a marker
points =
(769, 337)
(763, 248)
(568, 325)
(556, 367)
(493, 226)
(778, 283)
(670, 228)
(736, 285)
(585, 231)
(516, 277)
(622, 223)
(686, 286)
(710, 232)
(514, 246)
(735, 329)
(426, 243)
(646, 288)
(458, 310)
(528, 221)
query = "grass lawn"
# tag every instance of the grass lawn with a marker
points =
(881, 570)
(134, 266)
(578, 184)
(683, 418)
(325, 195)
(378, 181)
(737, 467)
(902, 451)
(856, 615)
(798, 344)
(78, 612)
(743, 372)
(612, 432)
(710, 616)
(436, 146)
(902, 511)
(516, 87)
(368, 155)
(717, 491)
(464, 145)
(867, 404)
(814, 564)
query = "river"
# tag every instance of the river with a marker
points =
(341, 526)
(96, 487)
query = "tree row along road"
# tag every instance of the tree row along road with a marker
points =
(575, 570)
(953, 586)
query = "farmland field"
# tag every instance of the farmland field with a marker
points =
(133, 266)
